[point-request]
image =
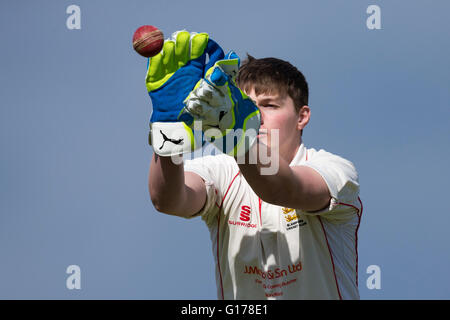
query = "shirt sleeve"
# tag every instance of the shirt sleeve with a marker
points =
(342, 180)
(216, 172)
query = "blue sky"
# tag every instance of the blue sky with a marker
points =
(74, 121)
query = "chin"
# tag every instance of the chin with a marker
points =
(262, 138)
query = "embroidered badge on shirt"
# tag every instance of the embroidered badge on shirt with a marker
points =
(292, 220)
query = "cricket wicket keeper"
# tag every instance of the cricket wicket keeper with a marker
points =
(283, 217)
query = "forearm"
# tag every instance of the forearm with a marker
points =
(267, 173)
(166, 183)
(298, 186)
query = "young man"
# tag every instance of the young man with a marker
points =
(290, 234)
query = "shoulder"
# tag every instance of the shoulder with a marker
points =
(218, 162)
(331, 160)
(218, 173)
(342, 180)
(218, 169)
(339, 173)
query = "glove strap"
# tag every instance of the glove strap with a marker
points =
(172, 138)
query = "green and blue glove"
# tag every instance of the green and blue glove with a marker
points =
(230, 119)
(171, 76)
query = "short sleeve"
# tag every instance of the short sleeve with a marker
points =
(215, 171)
(342, 180)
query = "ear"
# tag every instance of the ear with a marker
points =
(304, 115)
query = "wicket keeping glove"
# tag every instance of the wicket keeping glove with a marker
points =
(171, 75)
(230, 119)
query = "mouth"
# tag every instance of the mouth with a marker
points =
(262, 132)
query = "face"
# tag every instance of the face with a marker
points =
(278, 113)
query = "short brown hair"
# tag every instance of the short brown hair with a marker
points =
(272, 75)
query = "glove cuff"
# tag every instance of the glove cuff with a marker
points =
(172, 138)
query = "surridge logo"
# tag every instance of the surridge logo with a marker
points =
(245, 213)
(244, 218)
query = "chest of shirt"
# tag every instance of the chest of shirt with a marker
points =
(245, 211)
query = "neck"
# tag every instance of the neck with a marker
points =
(289, 154)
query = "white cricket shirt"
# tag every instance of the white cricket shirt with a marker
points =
(264, 251)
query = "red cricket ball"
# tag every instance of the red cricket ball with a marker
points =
(148, 41)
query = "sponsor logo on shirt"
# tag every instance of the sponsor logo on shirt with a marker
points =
(245, 213)
(244, 218)
(273, 273)
(274, 281)
(242, 224)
